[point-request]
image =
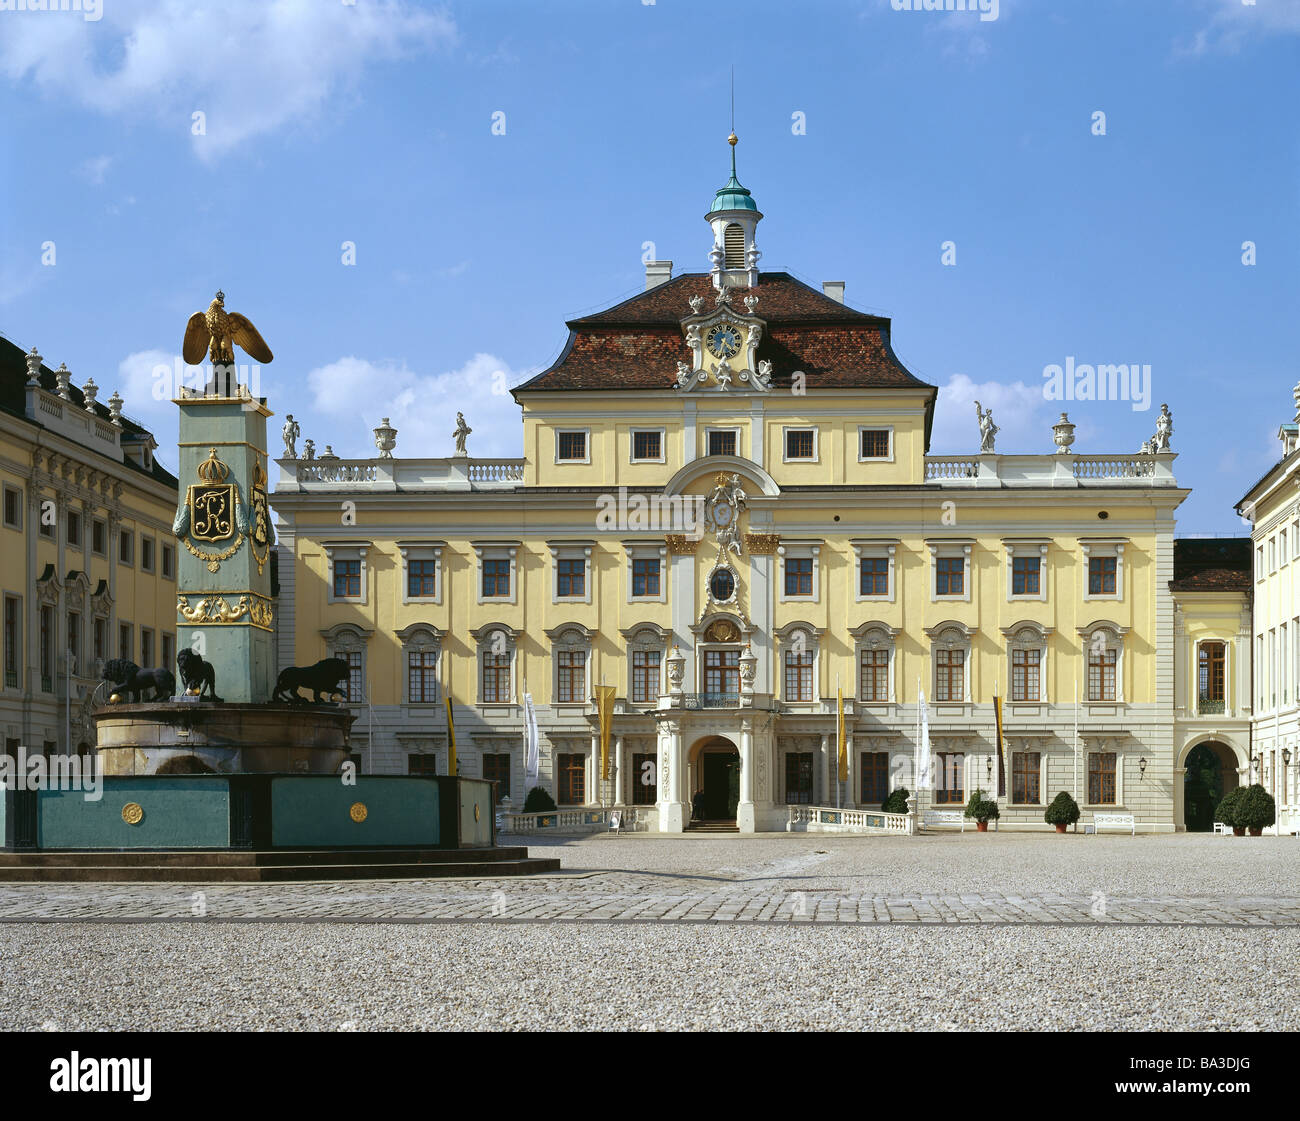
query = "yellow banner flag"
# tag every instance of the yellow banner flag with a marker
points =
(451, 739)
(843, 740)
(605, 707)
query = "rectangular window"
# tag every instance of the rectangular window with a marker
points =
(46, 651)
(950, 576)
(875, 443)
(421, 579)
(99, 642)
(126, 547)
(874, 576)
(799, 443)
(645, 676)
(875, 777)
(645, 577)
(1025, 576)
(72, 533)
(570, 578)
(355, 687)
(1101, 576)
(99, 538)
(496, 678)
(949, 788)
(572, 776)
(125, 641)
(46, 514)
(1025, 777)
(13, 644)
(1101, 778)
(571, 676)
(496, 579)
(168, 651)
(13, 512)
(799, 675)
(74, 640)
(950, 675)
(875, 675)
(1101, 675)
(422, 676)
(1025, 677)
(798, 576)
(146, 647)
(722, 673)
(347, 579)
(146, 554)
(571, 445)
(799, 778)
(496, 769)
(1281, 546)
(647, 445)
(722, 443)
(645, 785)
(418, 764)
(168, 562)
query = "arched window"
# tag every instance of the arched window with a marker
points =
(1103, 647)
(733, 245)
(1027, 654)
(1211, 660)
(875, 656)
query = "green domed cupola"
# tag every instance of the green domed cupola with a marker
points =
(734, 217)
(732, 196)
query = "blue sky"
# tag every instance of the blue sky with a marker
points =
(371, 123)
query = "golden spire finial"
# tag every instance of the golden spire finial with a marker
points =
(732, 139)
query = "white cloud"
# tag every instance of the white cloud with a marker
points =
(94, 169)
(251, 67)
(422, 407)
(1019, 410)
(1232, 22)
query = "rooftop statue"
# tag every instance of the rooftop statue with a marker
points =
(219, 331)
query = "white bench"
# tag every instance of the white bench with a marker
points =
(1115, 821)
(1219, 827)
(945, 817)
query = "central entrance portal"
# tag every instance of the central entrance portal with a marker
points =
(716, 786)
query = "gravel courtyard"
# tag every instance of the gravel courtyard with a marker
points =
(783, 931)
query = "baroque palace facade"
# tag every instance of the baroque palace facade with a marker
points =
(725, 508)
(88, 555)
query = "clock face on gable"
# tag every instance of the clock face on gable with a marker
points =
(723, 340)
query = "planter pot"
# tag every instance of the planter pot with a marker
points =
(982, 826)
(1060, 828)
(1238, 831)
(1257, 832)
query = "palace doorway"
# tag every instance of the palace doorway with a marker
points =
(1209, 773)
(715, 782)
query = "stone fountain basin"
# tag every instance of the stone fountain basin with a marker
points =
(187, 736)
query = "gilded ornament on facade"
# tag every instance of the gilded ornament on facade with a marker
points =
(724, 630)
(133, 813)
(260, 533)
(358, 812)
(211, 513)
(681, 543)
(762, 544)
(216, 609)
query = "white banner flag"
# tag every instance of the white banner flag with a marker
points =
(532, 757)
(924, 765)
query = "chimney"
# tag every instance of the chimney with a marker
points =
(657, 273)
(834, 289)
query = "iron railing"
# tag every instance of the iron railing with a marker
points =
(711, 700)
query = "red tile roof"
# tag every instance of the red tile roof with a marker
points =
(1211, 565)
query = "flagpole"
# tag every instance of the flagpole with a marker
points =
(839, 734)
(1077, 792)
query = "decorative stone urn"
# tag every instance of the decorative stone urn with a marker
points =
(385, 439)
(676, 663)
(1063, 435)
(748, 667)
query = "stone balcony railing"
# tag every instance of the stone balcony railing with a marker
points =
(455, 473)
(992, 470)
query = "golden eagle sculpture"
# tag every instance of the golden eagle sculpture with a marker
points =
(218, 331)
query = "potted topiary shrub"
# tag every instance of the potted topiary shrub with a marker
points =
(1228, 809)
(896, 802)
(538, 801)
(1256, 810)
(982, 810)
(1063, 811)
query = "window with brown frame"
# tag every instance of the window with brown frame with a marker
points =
(950, 675)
(570, 577)
(572, 445)
(1025, 777)
(1101, 675)
(422, 676)
(13, 647)
(950, 576)
(415, 765)
(645, 676)
(798, 576)
(949, 788)
(875, 675)
(645, 576)
(421, 578)
(722, 672)
(354, 689)
(1025, 575)
(347, 579)
(799, 443)
(496, 678)
(571, 676)
(799, 675)
(496, 579)
(1101, 778)
(799, 778)
(496, 769)
(722, 443)
(572, 774)
(874, 769)
(647, 445)
(645, 787)
(1025, 676)
(875, 443)
(874, 576)
(1210, 661)
(1101, 576)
